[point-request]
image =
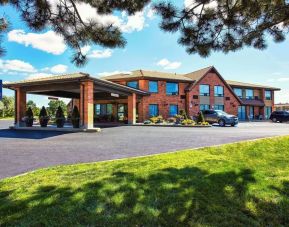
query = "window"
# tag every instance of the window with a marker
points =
(103, 109)
(268, 95)
(219, 107)
(204, 107)
(153, 110)
(173, 110)
(204, 90)
(172, 88)
(268, 111)
(133, 84)
(153, 86)
(249, 94)
(238, 92)
(219, 91)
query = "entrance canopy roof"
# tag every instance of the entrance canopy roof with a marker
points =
(68, 86)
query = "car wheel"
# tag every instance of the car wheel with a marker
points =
(274, 119)
(233, 125)
(222, 123)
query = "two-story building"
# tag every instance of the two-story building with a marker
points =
(195, 91)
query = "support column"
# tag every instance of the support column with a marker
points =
(131, 109)
(20, 106)
(86, 104)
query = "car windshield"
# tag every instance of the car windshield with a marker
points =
(220, 112)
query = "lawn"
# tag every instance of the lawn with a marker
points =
(243, 184)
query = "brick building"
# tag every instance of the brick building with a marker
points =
(195, 91)
(141, 94)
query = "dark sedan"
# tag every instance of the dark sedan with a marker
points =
(220, 117)
(279, 116)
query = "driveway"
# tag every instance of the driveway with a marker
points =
(22, 151)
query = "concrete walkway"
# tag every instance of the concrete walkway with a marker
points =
(22, 151)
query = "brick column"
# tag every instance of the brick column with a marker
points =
(131, 108)
(86, 104)
(20, 104)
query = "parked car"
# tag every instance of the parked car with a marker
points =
(280, 116)
(220, 117)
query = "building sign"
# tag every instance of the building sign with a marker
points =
(114, 95)
(0, 89)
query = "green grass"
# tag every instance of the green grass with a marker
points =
(6, 118)
(243, 184)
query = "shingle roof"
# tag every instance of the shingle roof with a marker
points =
(197, 75)
(147, 74)
(49, 78)
(242, 84)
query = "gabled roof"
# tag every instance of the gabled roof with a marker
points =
(142, 74)
(242, 84)
(197, 75)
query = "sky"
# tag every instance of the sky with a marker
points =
(33, 55)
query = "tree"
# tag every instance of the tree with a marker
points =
(34, 108)
(53, 106)
(9, 106)
(64, 18)
(221, 25)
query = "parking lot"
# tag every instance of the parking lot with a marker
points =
(22, 151)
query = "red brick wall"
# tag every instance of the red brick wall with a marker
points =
(212, 79)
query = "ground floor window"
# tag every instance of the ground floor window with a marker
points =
(103, 112)
(204, 107)
(173, 110)
(251, 113)
(153, 110)
(219, 107)
(122, 112)
(242, 113)
(268, 111)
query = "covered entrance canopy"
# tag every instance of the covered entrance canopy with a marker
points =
(76, 86)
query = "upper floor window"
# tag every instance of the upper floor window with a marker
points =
(249, 94)
(153, 86)
(238, 92)
(204, 90)
(172, 88)
(133, 84)
(173, 110)
(268, 95)
(219, 91)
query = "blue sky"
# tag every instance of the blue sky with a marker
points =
(31, 55)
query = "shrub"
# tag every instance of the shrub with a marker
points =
(75, 117)
(43, 117)
(183, 113)
(200, 118)
(147, 122)
(60, 119)
(28, 117)
(158, 119)
(172, 120)
(188, 122)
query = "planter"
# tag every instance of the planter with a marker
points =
(75, 122)
(29, 122)
(60, 122)
(43, 121)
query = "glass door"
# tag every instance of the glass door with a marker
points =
(242, 113)
(251, 112)
(122, 113)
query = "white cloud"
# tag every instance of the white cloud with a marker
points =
(85, 49)
(283, 79)
(100, 53)
(16, 65)
(134, 22)
(37, 76)
(58, 69)
(166, 64)
(49, 41)
(113, 73)
(190, 3)
(151, 13)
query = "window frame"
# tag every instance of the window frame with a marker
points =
(219, 95)
(175, 105)
(154, 81)
(171, 93)
(252, 97)
(219, 106)
(204, 105)
(156, 105)
(270, 92)
(203, 94)
(241, 90)
(133, 81)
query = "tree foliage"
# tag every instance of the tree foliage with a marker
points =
(33, 106)
(221, 25)
(53, 106)
(64, 18)
(7, 106)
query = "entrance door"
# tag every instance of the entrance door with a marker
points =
(242, 113)
(268, 111)
(122, 112)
